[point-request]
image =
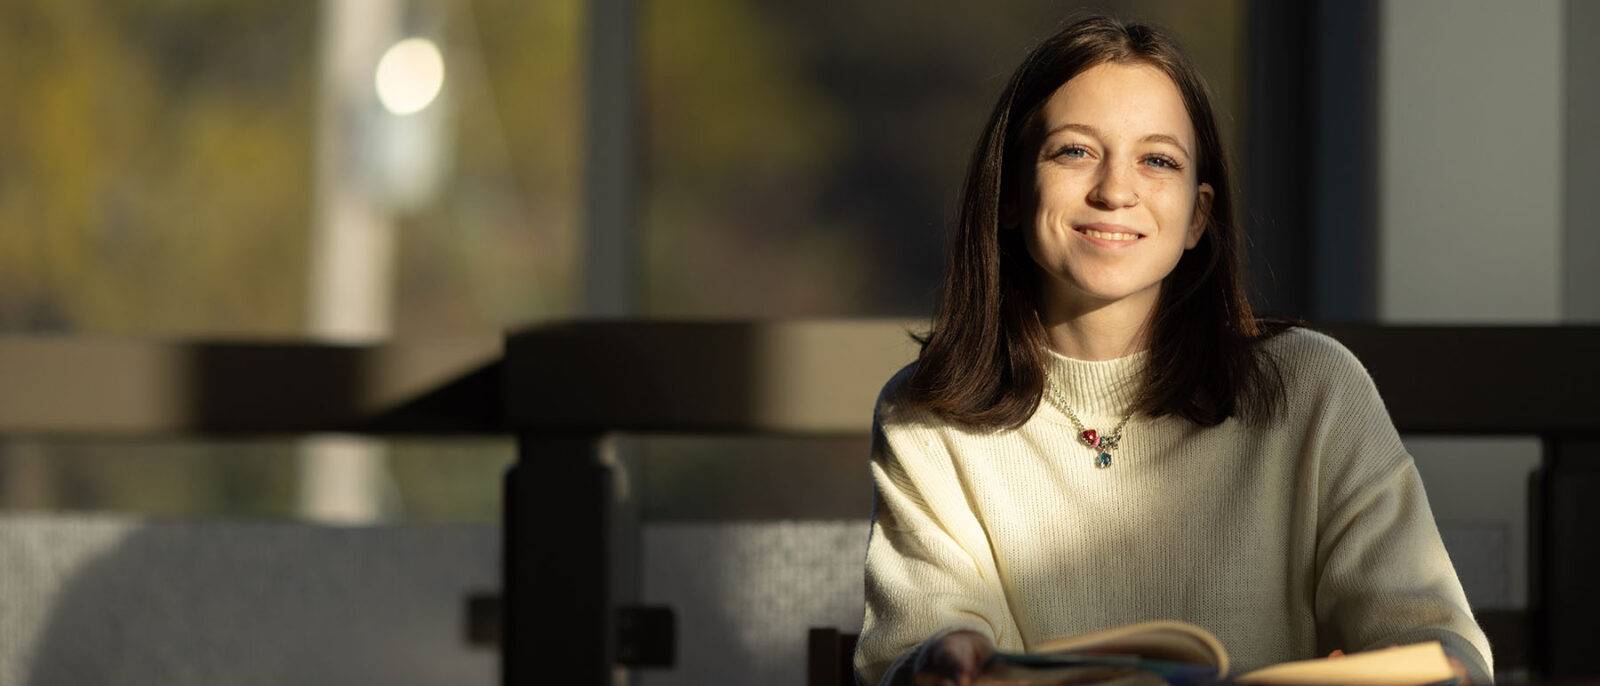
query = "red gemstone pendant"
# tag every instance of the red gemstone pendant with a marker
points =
(1090, 437)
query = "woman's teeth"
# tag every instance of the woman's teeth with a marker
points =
(1110, 236)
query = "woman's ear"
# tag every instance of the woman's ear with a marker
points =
(1202, 215)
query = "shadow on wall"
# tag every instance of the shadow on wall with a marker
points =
(127, 602)
(747, 592)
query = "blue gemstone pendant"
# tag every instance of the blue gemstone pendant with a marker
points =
(1103, 461)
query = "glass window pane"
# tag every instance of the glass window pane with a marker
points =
(162, 165)
(805, 159)
(165, 171)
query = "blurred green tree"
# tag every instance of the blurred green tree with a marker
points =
(154, 166)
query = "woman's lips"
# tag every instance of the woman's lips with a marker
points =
(1109, 235)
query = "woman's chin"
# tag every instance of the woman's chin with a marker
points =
(1089, 296)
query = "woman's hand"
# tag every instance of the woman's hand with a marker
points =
(957, 659)
(1460, 672)
(954, 659)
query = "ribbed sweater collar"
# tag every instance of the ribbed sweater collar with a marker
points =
(1105, 387)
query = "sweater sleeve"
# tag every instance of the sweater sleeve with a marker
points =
(929, 569)
(1384, 576)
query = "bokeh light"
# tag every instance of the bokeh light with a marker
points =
(410, 75)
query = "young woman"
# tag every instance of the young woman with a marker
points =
(1099, 430)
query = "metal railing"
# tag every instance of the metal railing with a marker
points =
(563, 388)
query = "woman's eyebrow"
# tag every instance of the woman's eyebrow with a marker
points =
(1092, 131)
(1164, 138)
(1080, 128)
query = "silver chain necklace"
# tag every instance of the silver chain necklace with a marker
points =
(1100, 444)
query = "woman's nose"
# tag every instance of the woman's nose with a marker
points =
(1115, 190)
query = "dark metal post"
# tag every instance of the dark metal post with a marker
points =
(1344, 192)
(1567, 557)
(1278, 143)
(613, 154)
(557, 563)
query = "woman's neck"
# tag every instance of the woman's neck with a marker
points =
(1097, 331)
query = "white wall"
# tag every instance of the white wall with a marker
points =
(1470, 133)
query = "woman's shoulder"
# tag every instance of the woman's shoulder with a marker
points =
(1312, 362)
(895, 401)
(898, 407)
(1298, 343)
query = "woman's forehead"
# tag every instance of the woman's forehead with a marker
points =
(1132, 101)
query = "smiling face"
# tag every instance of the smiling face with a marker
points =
(1115, 200)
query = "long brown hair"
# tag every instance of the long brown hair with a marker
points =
(984, 361)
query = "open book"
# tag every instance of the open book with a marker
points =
(1179, 653)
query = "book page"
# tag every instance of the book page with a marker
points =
(1410, 665)
(1165, 640)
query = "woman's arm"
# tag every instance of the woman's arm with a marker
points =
(929, 569)
(1383, 577)
(1386, 579)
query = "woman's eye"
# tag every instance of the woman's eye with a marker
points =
(1073, 151)
(1162, 162)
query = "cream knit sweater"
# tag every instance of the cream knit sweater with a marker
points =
(1286, 541)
